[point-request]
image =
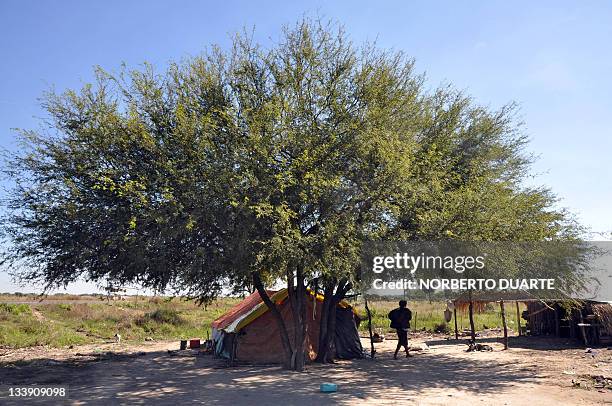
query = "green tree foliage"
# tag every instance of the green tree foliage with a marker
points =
(244, 167)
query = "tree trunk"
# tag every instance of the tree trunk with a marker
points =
(330, 347)
(297, 299)
(503, 315)
(328, 290)
(287, 348)
(471, 313)
(328, 323)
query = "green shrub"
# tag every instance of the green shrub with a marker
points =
(15, 309)
(161, 316)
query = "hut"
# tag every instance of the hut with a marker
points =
(248, 332)
(584, 320)
(588, 321)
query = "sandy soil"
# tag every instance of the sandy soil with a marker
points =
(533, 372)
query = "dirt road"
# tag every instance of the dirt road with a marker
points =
(444, 375)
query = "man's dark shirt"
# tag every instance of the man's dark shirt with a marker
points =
(400, 318)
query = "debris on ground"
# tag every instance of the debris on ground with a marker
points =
(473, 346)
(419, 347)
(593, 382)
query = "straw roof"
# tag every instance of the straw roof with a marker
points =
(603, 311)
(496, 296)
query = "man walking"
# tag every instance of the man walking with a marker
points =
(400, 321)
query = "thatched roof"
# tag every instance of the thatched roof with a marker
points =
(524, 296)
(603, 311)
(496, 296)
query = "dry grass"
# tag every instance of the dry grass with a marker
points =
(135, 319)
(71, 322)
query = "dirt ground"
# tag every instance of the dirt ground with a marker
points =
(533, 372)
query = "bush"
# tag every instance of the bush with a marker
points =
(15, 309)
(161, 316)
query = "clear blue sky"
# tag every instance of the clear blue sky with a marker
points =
(552, 57)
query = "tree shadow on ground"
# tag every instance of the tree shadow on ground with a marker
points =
(544, 343)
(162, 378)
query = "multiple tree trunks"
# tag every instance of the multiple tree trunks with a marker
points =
(333, 293)
(295, 350)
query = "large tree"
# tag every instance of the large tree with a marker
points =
(247, 167)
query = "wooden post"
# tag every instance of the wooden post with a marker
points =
(557, 327)
(582, 332)
(518, 318)
(572, 324)
(370, 328)
(455, 317)
(471, 313)
(503, 314)
(415, 321)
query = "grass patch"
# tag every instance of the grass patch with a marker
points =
(68, 323)
(19, 328)
(15, 309)
(62, 324)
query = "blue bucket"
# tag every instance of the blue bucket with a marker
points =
(328, 387)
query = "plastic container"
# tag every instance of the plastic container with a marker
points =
(328, 387)
(183, 344)
(194, 343)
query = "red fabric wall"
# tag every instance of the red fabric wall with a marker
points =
(260, 341)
